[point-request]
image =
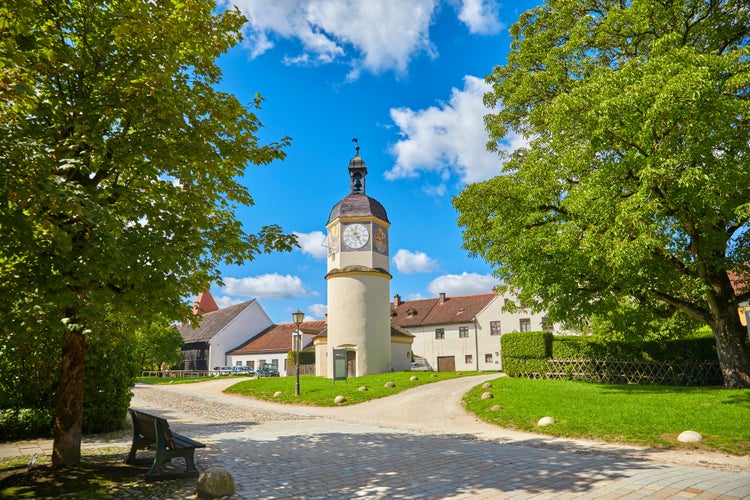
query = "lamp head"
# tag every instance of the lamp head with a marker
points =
(298, 317)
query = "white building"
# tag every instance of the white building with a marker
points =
(220, 330)
(463, 333)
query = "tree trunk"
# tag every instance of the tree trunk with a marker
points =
(733, 348)
(66, 447)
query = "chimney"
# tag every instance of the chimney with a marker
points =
(396, 300)
(442, 297)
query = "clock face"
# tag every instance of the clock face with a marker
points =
(356, 236)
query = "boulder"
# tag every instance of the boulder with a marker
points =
(689, 437)
(215, 482)
(487, 395)
(339, 399)
(389, 384)
(362, 388)
(413, 378)
(277, 394)
(496, 408)
(545, 421)
(486, 385)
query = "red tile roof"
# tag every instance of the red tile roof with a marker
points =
(439, 311)
(277, 338)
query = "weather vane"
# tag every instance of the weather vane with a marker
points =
(356, 141)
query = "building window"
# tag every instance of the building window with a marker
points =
(469, 359)
(547, 324)
(488, 358)
(463, 332)
(439, 333)
(494, 328)
(525, 324)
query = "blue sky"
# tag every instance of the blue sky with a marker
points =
(406, 78)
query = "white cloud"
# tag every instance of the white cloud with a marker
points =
(462, 284)
(224, 301)
(413, 262)
(265, 286)
(481, 16)
(318, 311)
(384, 35)
(312, 244)
(448, 139)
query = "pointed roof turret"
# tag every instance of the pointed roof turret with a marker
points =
(357, 203)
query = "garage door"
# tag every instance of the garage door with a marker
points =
(446, 363)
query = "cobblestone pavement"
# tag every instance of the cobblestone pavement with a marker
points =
(321, 453)
(282, 452)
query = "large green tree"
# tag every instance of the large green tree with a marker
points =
(120, 171)
(635, 181)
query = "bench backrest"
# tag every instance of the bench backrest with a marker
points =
(152, 428)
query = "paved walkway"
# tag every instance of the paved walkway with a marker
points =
(420, 444)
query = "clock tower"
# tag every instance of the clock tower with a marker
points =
(358, 281)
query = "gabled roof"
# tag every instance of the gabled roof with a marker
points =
(439, 311)
(277, 338)
(212, 323)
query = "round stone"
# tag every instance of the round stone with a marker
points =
(215, 482)
(487, 395)
(277, 394)
(486, 385)
(496, 408)
(362, 388)
(339, 399)
(389, 384)
(545, 421)
(689, 437)
(413, 378)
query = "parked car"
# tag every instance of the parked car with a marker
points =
(267, 370)
(419, 366)
(221, 370)
(243, 370)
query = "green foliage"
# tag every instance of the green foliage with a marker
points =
(632, 185)
(111, 369)
(160, 342)
(121, 172)
(526, 353)
(25, 423)
(530, 345)
(306, 358)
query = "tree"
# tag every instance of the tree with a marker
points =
(635, 181)
(121, 166)
(158, 343)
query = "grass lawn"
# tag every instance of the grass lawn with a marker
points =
(320, 391)
(645, 415)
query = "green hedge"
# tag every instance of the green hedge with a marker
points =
(525, 354)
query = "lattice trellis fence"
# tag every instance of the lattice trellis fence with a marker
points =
(684, 373)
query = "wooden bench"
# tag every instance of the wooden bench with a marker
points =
(149, 430)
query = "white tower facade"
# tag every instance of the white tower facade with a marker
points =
(358, 280)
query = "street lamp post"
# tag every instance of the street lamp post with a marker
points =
(297, 317)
